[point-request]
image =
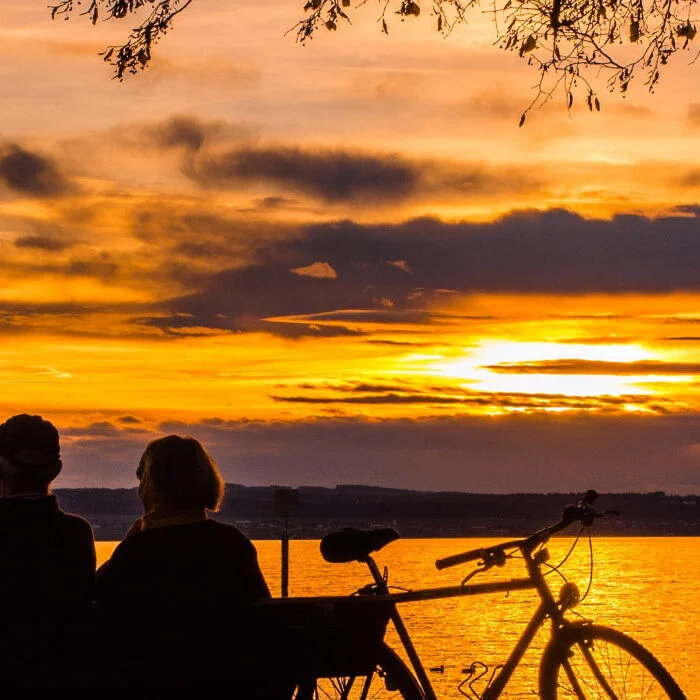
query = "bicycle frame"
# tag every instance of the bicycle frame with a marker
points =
(548, 608)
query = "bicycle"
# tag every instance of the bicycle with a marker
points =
(580, 660)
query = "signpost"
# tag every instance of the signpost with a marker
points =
(286, 506)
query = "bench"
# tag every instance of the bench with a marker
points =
(264, 647)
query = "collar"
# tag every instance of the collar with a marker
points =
(167, 518)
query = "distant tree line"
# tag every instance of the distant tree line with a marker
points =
(413, 513)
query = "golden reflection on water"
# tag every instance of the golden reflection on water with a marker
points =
(644, 586)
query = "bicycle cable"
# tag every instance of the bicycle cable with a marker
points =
(590, 577)
(553, 569)
(590, 572)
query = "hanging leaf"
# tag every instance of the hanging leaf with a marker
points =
(687, 30)
(528, 45)
(634, 31)
(412, 8)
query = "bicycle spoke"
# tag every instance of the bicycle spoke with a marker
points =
(575, 689)
(603, 664)
(587, 652)
(383, 683)
(371, 688)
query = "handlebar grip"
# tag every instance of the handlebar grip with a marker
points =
(460, 558)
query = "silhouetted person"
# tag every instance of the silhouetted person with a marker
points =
(47, 558)
(168, 583)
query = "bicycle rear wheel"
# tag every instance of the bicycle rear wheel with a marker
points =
(389, 679)
(593, 662)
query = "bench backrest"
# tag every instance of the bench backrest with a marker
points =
(283, 638)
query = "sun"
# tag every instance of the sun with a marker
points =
(511, 367)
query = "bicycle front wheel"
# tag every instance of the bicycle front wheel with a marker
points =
(389, 679)
(593, 662)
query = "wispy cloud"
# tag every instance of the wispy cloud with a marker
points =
(597, 367)
(320, 270)
(354, 176)
(46, 243)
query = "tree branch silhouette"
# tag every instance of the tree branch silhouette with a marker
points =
(564, 41)
(135, 53)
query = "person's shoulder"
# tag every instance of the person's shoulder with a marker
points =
(137, 545)
(75, 519)
(78, 522)
(226, 530)
(222, 527)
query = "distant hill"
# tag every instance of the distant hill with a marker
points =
(412, 513)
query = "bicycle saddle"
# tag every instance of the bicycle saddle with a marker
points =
(352, 544)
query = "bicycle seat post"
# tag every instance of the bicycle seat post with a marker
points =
(379, 579)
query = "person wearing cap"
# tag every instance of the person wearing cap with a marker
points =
(47, 556)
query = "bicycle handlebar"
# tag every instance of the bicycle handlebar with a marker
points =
(581, 512)
(455, 559)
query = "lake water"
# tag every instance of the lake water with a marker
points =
(647, 587)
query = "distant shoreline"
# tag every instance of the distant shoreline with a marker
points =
(455, 537)
(414, 514)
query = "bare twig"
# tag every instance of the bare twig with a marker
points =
(563, 40)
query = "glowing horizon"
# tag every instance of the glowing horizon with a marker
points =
(255, 241)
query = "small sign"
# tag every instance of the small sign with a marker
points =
(287, 502)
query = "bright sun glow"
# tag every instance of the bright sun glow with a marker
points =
(478, 369)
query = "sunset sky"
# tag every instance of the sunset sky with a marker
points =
(344, 262)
